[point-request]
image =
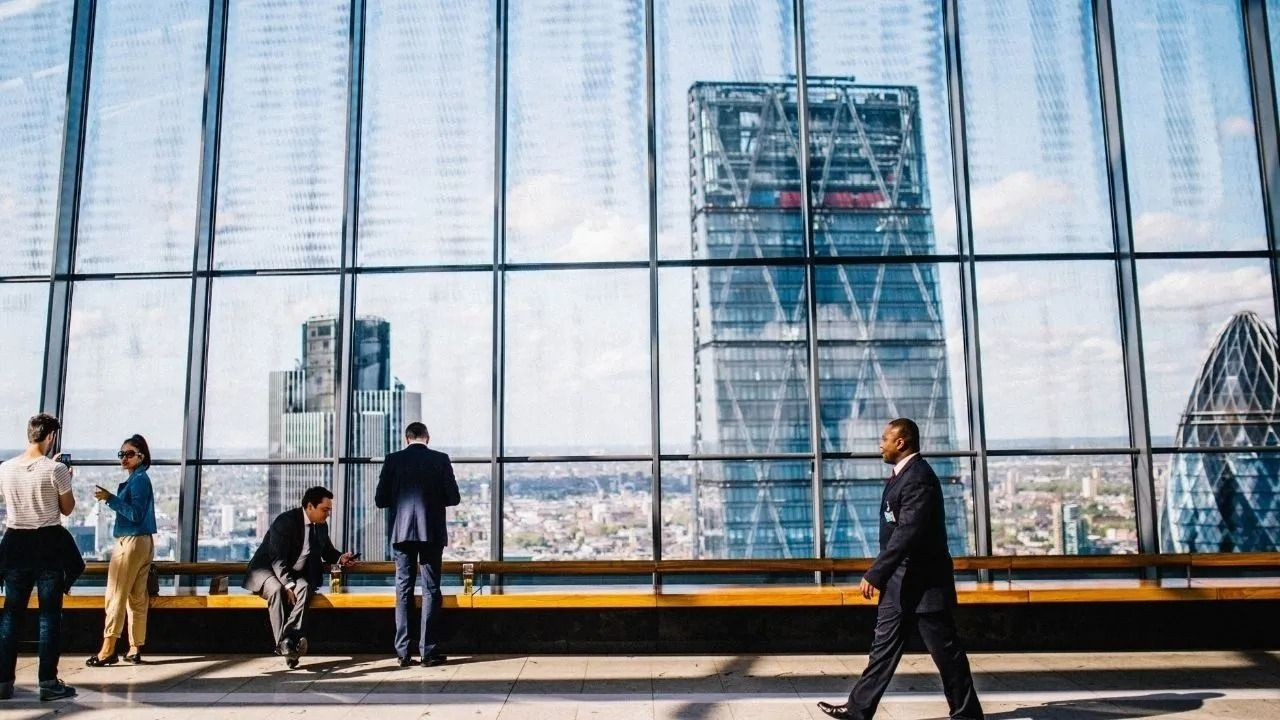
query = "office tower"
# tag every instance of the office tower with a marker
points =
(1228, 502)
(1072, 540)
(882, 348)
(1089, 483)
(301, 422)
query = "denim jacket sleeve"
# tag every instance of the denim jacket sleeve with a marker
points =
(132, 502)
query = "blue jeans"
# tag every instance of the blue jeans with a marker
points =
(17, 593)
(417, 561)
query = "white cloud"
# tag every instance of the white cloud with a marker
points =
(1188, 290)
(1017, 199)
(604, 235)
(542, 204)
(1002, 289)
(1165, 228)
(559, 219)
(1235, 126)
(14, 8)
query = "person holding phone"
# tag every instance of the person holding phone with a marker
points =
(134, 504)
(36, 553)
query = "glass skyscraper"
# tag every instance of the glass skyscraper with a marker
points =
(1229, 502)
(885, 359)
(302, 422)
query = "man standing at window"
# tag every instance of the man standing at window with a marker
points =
(286, 569)
(36, 553)
(916, 582)
(417, 484)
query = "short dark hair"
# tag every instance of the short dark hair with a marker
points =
(908, 431)
(316, 495)
(140, 444)
(416, 431)
(42, 426)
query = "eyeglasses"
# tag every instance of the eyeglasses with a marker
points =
(127, 454)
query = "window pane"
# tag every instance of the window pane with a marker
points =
(577, 511)
(272, 350)
(126, 366)
(1062, 505)
(1206, 326)
(577, 362)
(1220, 502)
(890, 345)
(576, 186)
(238, 503)
(715, 509)
(142, 145)
(701, 49)
(879, 136)
(23, 312)
(440, 348)
(283, 143)
(1037, 164)
(36, 37)
(1052, 368)
(734, 363)
(735, 368)
(1189, 134)
(92, 522)
(426, 183)
(851, 492)
(1273, 28)
(468, 523)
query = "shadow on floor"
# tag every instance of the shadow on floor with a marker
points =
(1112, 708)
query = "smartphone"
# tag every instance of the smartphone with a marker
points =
(64, 458)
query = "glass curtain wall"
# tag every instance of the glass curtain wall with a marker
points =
(654, 273)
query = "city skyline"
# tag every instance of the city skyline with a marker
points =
(1044, 356)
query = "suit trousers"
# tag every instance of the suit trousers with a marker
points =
(287, 620)
(127, 588)
(938, 631)
(414, 559)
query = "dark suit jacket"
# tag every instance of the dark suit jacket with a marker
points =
(417, 484)
(913, 570)
(280, 550)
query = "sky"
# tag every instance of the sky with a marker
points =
(577, 342)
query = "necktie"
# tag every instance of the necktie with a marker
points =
(313, 542)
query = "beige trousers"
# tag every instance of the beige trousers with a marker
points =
(127, 588)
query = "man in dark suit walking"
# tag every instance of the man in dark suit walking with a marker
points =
(916, 582)
(286, 569)
(417, 484)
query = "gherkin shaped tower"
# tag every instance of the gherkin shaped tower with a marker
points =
(1228, 502)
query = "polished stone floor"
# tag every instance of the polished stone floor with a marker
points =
(1040, 686)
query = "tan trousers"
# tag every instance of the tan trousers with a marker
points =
(127, 588)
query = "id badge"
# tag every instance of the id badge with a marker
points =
(888, 514)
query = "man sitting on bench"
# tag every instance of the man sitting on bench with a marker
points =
(286, 569)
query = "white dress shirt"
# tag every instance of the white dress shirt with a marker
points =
(897, 468)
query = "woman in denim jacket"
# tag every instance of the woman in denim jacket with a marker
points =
(134, 504)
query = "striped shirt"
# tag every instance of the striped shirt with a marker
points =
(30, 489)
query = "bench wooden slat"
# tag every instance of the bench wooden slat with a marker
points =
(746, 567)
(747, 596)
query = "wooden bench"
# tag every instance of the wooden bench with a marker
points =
(668, 593)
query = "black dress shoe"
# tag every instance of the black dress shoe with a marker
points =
(434, 660)
(840, 712)
(95, 661)
(404, 661)
(135, 659)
